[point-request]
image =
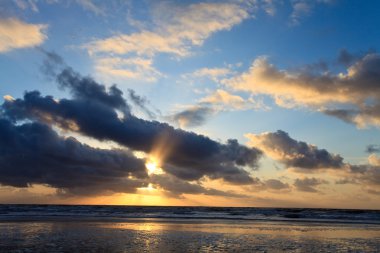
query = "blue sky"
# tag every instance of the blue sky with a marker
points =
(225, 69)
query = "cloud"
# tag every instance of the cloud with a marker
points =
(192, 116)
(176, 187)
(347, 115)
(269, 7)
(306, 157)
(93, 111)
(276, 184)
(87, 5)
(214, 74)
(129, 68)
(52, 63)
(218, 101)
(86, 89)
(367, 175)
(346, 58)
(375, 192)
(15, 34)
(281, 147)
(362, 117)
(271, 185)
(308, 184)
(8, 98)
(324, 91)
(175, 33)
(302, 8)
(222, 98)
(32, 153)
(90, 6)
(373, 160)
(373, 148)
(141, 102)
(27, 4)
(13, 195)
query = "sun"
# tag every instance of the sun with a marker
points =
(153, 167)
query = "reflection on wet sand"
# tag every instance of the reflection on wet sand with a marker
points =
(248, 227)
(160, 235)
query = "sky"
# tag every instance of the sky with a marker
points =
(267, 103)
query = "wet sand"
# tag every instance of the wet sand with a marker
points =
(174, 235)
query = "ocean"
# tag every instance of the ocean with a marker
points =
(84, 228)
(106, 212)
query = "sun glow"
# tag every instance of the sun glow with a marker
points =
(148, 188)
(153, 167)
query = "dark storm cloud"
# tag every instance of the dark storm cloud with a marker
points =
(308, 184)
(177, 187)
(141, 102)
(81, 87)
(88, 90)
(32, 153)
(92, 112)
(192, 117)
(280, 146)
(222, 161)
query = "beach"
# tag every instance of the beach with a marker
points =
(185, 235)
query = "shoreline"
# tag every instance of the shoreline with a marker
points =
(176, 235)
(197, 206)
(190, 220)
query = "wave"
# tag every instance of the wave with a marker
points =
(22, 212)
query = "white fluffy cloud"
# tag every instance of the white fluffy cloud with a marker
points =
(212, 73)
(90, 6)
(223, 100)
(15, 34)
(302, 8)
(218, 101)
(175, 33)
(356, 88)
(374, 160)
(131, 68)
